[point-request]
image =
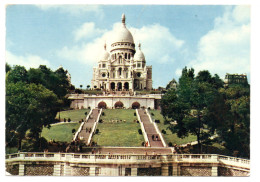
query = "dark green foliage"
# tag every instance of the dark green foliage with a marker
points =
(73, 130)
(86, 113)
(163, 131)
(103, 113)
(170, 144)
(64, 119)
(140, 131)
(97, 131)
(69, 120)
(157, 121)
(134, 114)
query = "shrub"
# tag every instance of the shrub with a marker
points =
(89, 108)
(137, 121)
(100, 121)
(134, 114)
(157, 121)
(86, 113)
(69, 120)
(163, 131)
(170, 144)
(103, 113)
(97, 131)
(140, 131)
(149, 108)
(73, 130)
(152, 114)
(64, 120)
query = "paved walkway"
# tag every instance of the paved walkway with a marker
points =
(153, 136)
(88, 126)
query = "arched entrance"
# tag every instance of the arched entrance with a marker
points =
(136, 105)
(113, 86)
(126, 86)
(102, 105)
(119, 86)
(119, 105)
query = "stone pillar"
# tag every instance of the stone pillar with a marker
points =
(133, 171)
(57, 169)
(123, 171)
(165, 170)
(214, 171)
(21, 169)
(67, 170)
(92, 171)
(175, 170)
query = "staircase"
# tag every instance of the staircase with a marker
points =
(88, 127)
(152, 135)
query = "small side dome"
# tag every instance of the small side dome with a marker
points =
(139, 55)
(105, 55)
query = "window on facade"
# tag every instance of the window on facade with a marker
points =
(100, 65)
(138, 65)
(138, 74)
(103, 74)
(129, 56)
(125, 55)
(104, 65)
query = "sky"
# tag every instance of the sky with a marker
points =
(204, 37)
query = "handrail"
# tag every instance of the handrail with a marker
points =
(54, 156)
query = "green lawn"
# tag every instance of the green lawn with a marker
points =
(169, 136)
(74, 115)
(118, 133)
(61, 132)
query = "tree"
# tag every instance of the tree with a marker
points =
(230, 118)
(7, 67)
(18, 73)
(187, 104)
(29, 107)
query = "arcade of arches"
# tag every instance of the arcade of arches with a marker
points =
(118, 104)
(119, 86)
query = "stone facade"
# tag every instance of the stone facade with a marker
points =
(70, 164)
(124, 67)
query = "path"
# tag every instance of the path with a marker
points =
(153, 136)
(85, 132)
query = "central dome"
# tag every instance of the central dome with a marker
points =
(123, 34)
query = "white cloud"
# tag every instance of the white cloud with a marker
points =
(28, 61)
(154, 40)
(73, 9)
(87, 30)
(226, 48)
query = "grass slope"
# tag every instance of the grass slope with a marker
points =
(118, 133)
(61, 132)
(169, 136)
(74, 115)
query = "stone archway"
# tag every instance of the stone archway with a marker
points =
(102, 105)
(136, 105)
(119, 86)
(112, 86)
(119, 105)
(126, 86)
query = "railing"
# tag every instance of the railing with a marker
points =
(80, 128)
(142, 128)
(94, 127)
(85, 158)
(156, 128)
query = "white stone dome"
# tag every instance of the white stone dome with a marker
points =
(139, 55)
(123, 34)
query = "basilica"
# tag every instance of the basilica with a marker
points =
(123, 68)
(119, 74)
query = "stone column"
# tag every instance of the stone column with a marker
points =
(57, 169)
(92, 171)
(165, 170)
(123, 171)
(214, 171)
(175, 170)
(67, 170)
(21, 169)
(133, 171)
